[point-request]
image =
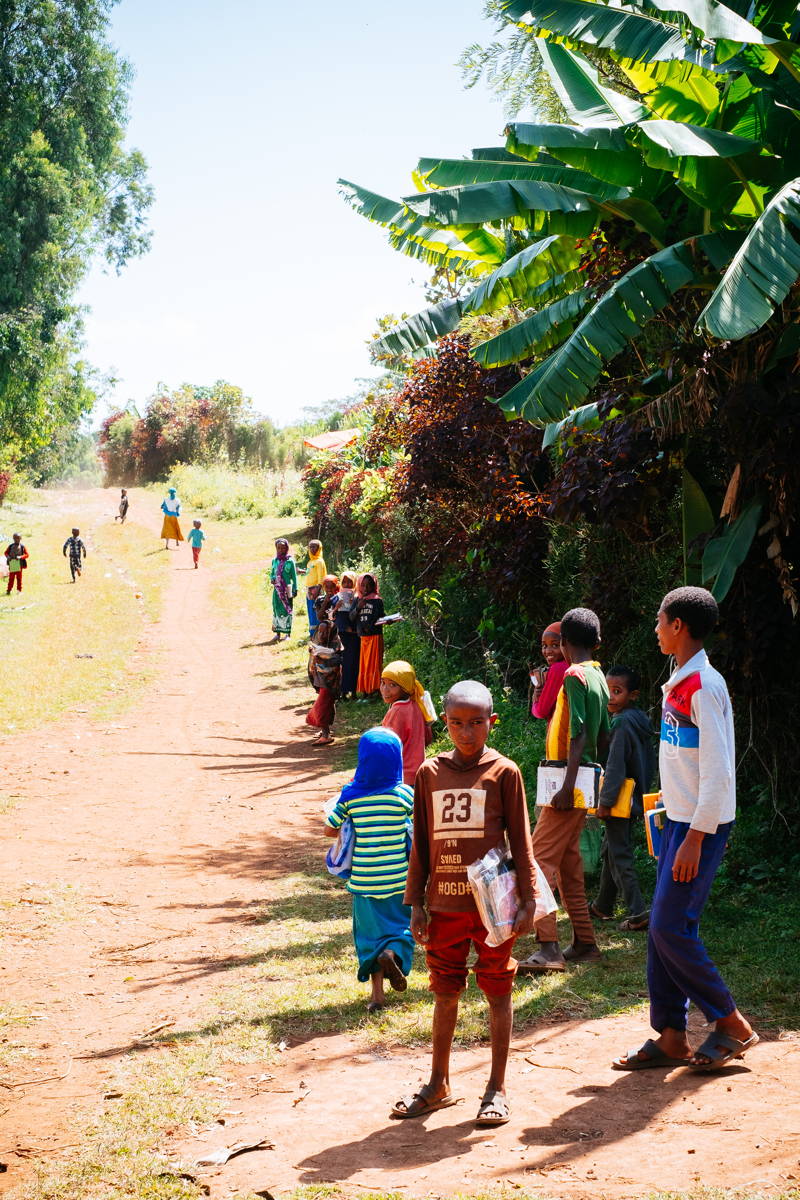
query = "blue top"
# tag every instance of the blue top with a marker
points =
(195, 537)
(380, 764)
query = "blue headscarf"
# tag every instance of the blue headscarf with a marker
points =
(380, 765)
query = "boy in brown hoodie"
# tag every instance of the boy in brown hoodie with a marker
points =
(465, 803)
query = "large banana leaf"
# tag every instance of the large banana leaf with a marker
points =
(421, 330)
(762, 272)
(678, 91)
(424, 239)
(565, 379)
(628, 32)
(724, 555)
(500, 200)
(585, 99)
(541, 331)
(714, 20)
(546, 262)
(456, 172)
(581, 419)
(680, 140)
(515, 279)
(601, 151)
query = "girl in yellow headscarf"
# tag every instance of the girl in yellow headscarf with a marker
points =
(410, 714)
(315, 572)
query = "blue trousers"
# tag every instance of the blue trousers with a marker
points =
(313, 621)
(679, 968)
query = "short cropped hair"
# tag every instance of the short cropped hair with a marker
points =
(581, 627)
(695, 606)
(632, 678)
(469, 691)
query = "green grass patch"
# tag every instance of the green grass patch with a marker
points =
(43, 906)
(11, 1017)
(230, 494)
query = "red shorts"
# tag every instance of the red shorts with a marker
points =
(449, 938)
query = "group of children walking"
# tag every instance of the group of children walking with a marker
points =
(74, 548)
(345, 620)
(410, 888)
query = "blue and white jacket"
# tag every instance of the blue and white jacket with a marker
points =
(696, 758)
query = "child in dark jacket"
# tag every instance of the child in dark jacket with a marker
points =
(630, 756)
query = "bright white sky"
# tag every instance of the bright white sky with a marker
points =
(247, 113)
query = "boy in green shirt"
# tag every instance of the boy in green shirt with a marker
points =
(577, 733)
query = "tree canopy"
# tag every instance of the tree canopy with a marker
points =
(68, 190)
(631, 245)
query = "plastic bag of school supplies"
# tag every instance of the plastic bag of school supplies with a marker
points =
(339, 856)
(494, 885)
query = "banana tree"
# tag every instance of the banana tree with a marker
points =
(677, 161)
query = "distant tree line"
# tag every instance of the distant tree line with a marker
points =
(194, 424)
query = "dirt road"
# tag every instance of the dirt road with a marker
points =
(141, 841)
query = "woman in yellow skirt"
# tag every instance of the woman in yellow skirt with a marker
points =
(369, 610)
(170, 526)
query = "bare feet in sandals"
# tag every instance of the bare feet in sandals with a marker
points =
(670, 1049)
(547, 958)
(731, 1037)
(427, 1100)
(493, 1110)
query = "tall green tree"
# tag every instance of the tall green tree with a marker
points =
(69, 190)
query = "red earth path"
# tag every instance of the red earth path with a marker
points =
(156, 819)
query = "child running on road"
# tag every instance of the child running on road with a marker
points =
(466, 803)
(74, 545)
(17, 561)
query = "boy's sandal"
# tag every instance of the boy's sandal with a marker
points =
(537, 964)
(719, 1049)
(392, 971)
(635, 924)
(648, 1055)
(493, 1111)
(420, 1104)
(323, 741)
(594, 911)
